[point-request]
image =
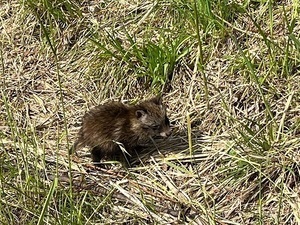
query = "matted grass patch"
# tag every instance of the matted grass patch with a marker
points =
(229, 75)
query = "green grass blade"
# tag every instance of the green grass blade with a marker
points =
(47, 201)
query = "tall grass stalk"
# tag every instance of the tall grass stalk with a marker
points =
(200, 64)
(53, 48)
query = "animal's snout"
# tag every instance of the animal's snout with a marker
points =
(166, 133)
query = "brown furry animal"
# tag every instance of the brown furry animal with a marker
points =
(112, 127)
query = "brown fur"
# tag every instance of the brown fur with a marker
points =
(114, 126)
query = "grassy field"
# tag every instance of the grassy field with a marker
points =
(229, 72)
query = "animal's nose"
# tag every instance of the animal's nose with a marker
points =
(166, 133)
(163, 134)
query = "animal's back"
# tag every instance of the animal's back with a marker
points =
(104, 123)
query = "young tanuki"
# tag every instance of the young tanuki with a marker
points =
(110, 128)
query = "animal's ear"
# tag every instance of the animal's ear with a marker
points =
(157, 100)
(140, 113)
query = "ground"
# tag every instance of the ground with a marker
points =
(229, 76)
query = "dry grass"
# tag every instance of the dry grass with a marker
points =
(233, 157)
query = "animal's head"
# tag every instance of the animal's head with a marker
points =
(153, 119)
